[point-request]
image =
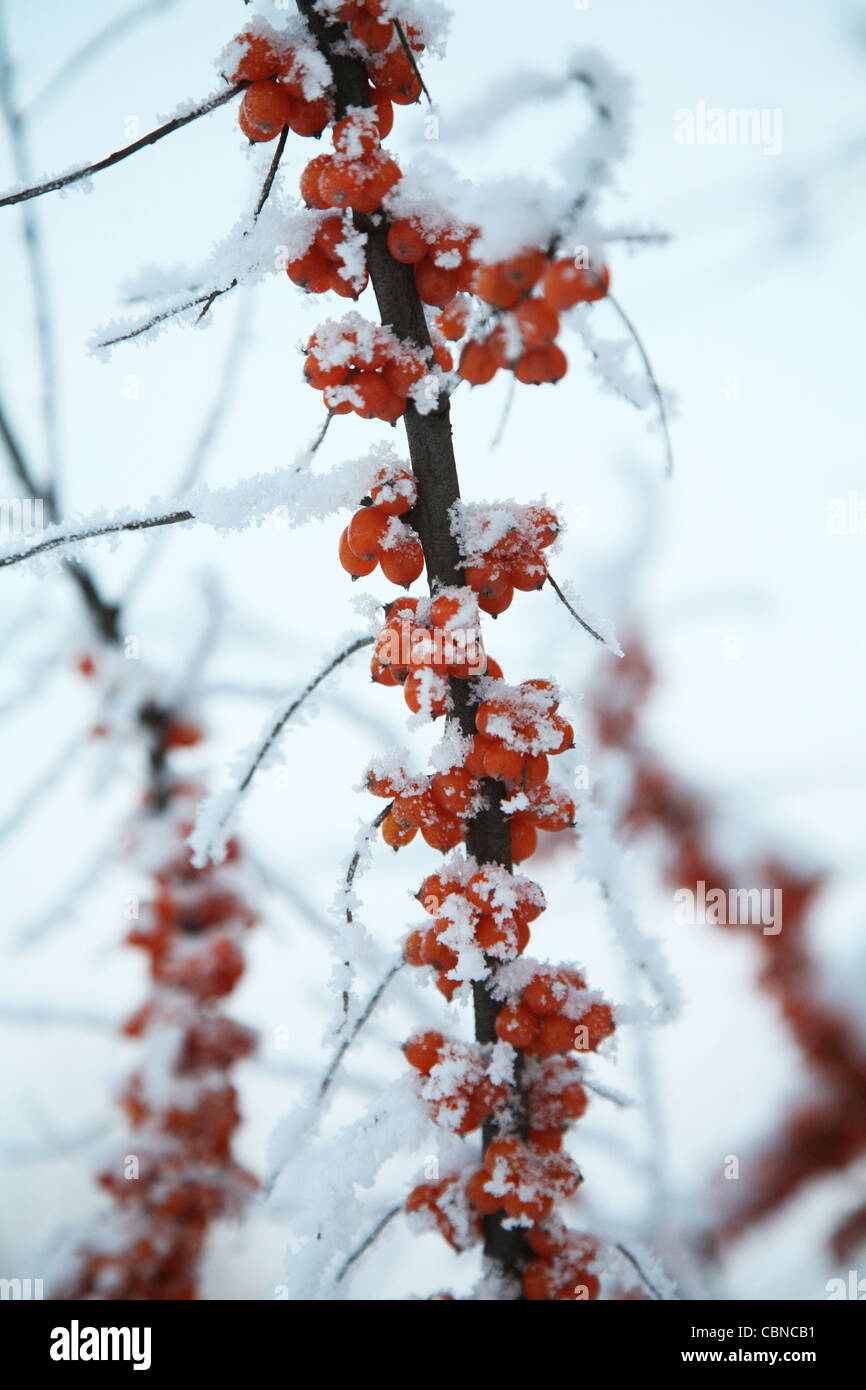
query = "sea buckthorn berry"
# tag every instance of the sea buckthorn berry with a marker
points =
(356, 567)
(492, 285)
(598, 1023)
(367, 532)
(537, 322)
(258, 59)
(312, 271)
(546, 992)
(406, 241)
(418, 947)
(309, 118)
(435, 889)
(483, 1201)
(403, 372)
(424, 690)
(477, 365)
(496, 604)
(403, 562)
(517, 1024)
(310, 181)
(566, 284)
(453, 319)
(423, 1051)
(436, 285)
(374, 34)
(394, 491)
(524, 838)
(454, 791)
(542, 365)
(264, 111)
(357, 135)
(397, 835)
(447, 986)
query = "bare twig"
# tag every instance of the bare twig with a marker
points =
(111, 529)
(407, 49)
(328, 1078)
(654, 386)
(64, 180)
(561, 596)
(635, 1264)
(365, 1245)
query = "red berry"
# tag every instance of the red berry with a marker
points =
(264, 111)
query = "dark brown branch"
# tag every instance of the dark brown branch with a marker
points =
(431, 450)
(64, 180)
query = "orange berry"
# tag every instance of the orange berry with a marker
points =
(423, 1051)
(482, 1200)
(373, 34)
(260, 59)
(555, 1034)
(546, 992)
(404, 372)
(496, 605)
(423, 690)
(403, 563)
(527, 575)
(454, 791)
(320, 377)
(357, 136)
(503, 763)
(494, 670)
(540, 365)
(566, 284)
(311, 272)
(494, 288)
(397, 835)
(353, 564)
(394, 491)
(477, 365)
(444, 833)
(264, 111)
(598, 1021)
(366, 532)
(447, 986)
(310, 180)
(487, 579)
(516, 1024)
(384, 112)
(418, 946)
(406, 241)
(524, 838)
(309, 118)
(435, 284)
(537, 322)
(524, 270)
(451, 322)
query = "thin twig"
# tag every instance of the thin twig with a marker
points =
(328, 1078)
(506, 412)
(139, 524)
(268, 743)
(272, 172)
(365, 1245)
(206, 299)
(623, 1250)
(64, 180)
(654, 386)
(561, 596)
(295, 705)
(407, 49)
(356, 857)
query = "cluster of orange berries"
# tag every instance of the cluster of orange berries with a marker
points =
(552, 1014)
(277, 95)
(184, 1110)
(455, 1086)
(362, 367)
(489, 910)
(525, 1185)
(529, 291)
(377, 536)
(497, 564)
(442, 258)
(423, 641)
